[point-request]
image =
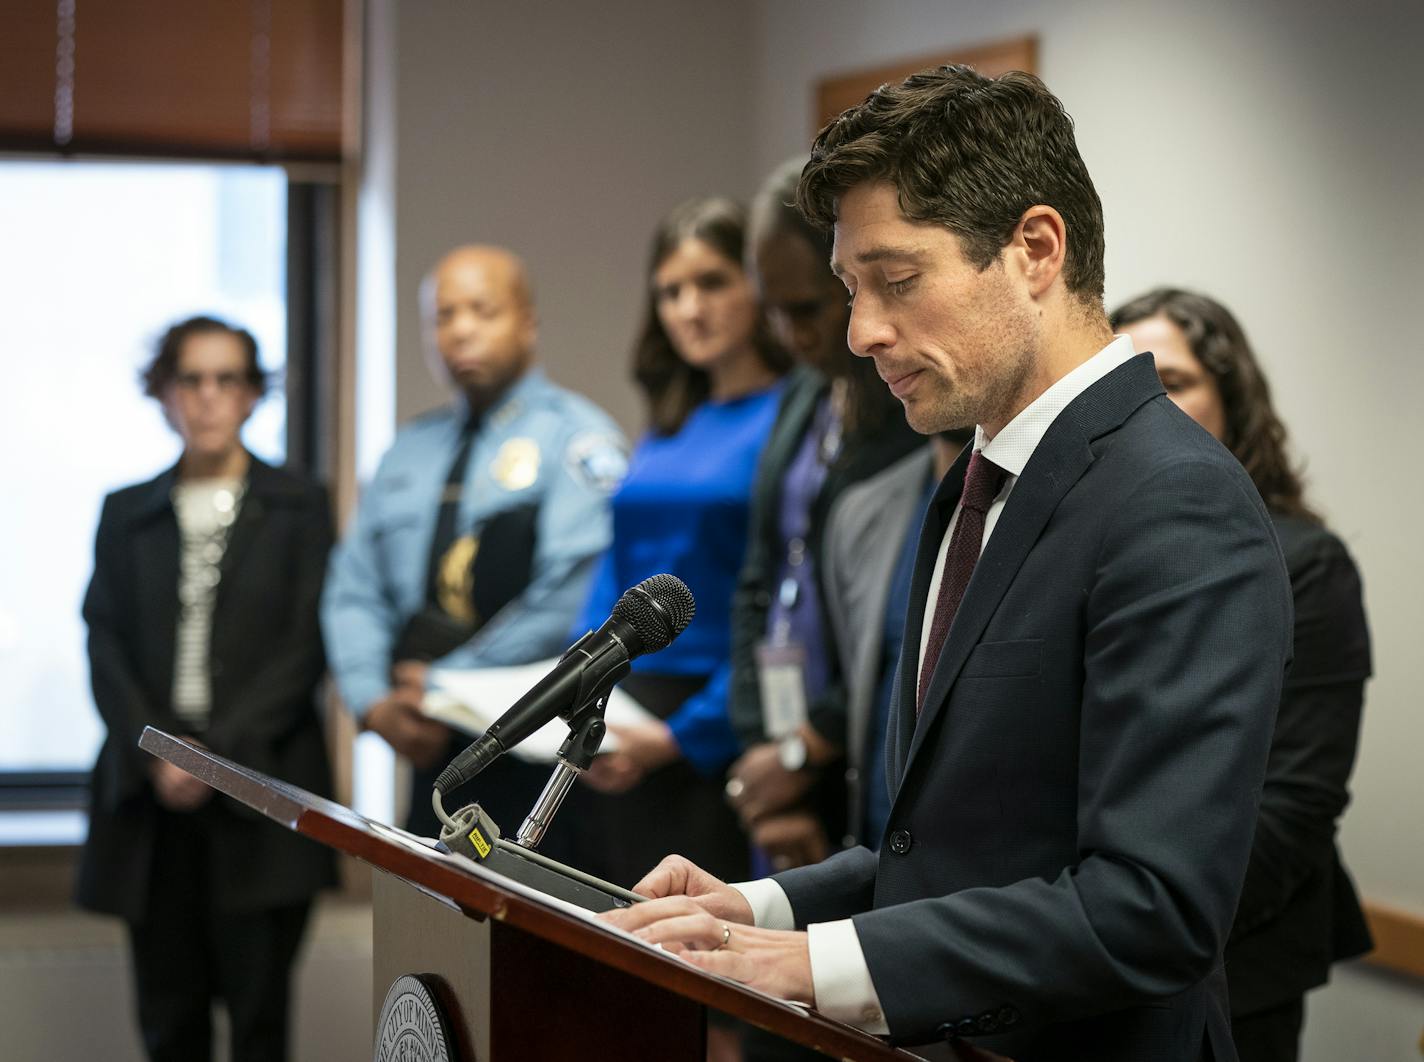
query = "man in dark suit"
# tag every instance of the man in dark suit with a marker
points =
(1098, 626)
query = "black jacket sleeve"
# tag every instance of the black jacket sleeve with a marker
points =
(119, 696)
(1317, 728)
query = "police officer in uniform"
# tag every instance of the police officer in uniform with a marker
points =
(474, 543)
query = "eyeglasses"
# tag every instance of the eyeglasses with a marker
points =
(226, 382)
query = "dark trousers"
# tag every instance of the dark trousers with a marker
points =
(1270, 1035)
(186, 954)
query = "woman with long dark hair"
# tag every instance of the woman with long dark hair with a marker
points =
(1298, 911)
(711, 375)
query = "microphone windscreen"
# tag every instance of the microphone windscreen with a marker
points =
(658, 608)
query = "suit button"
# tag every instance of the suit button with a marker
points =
(1008, 1016)
(900, 842)
(966, 1027)
(945, 1031)
(988, 1023)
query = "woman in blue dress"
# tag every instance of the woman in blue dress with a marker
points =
(711, 375)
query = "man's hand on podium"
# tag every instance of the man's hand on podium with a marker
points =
(678, 876)
(708, 923)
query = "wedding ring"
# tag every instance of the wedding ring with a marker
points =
(734, 788)
(726, 936)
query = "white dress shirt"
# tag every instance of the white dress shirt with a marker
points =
(839, 975)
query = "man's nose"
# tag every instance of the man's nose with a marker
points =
(464, 324)
(869, 331)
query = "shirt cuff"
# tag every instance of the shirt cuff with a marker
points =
(771, 908)
(841, 979)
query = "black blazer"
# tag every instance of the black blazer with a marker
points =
(266, 662)
(862, 456)
(1299, 911)
(1074, 808)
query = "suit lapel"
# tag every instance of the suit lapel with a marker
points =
(249, 518)
(937, 518)
(268, 493)
(1048, 476)
(1061, 458)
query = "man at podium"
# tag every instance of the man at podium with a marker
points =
(1098, 627)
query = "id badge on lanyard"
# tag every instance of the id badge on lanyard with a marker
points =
(781, 675)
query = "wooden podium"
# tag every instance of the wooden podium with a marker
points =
(514, 974)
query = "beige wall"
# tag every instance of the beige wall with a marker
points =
(563, 131)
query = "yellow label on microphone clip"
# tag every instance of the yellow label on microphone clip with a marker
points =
(481, 845)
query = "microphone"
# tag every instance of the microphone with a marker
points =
(645, 619)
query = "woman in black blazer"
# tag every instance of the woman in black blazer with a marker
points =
(1298, 912)
(202, 615)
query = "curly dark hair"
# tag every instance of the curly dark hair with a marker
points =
(970, 153)
(163, 369)
(672, 387)
(1254, 433)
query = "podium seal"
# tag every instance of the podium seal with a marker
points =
(412, 1027)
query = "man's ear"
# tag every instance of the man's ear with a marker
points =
(1041, 240)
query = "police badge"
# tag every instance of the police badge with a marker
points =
(516, 465)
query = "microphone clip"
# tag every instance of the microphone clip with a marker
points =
(586, 731)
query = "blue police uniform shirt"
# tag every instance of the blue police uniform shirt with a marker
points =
(538, 445)
(684, 509)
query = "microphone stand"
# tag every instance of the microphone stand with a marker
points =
(586, 730)
(473, 834)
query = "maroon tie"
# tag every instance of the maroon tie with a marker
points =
(982, 480)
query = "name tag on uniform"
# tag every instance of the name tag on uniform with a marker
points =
(781, 676)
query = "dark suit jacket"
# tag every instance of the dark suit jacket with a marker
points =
(861, 456)
(1075, 805)
(266, 662)
(1299, 912)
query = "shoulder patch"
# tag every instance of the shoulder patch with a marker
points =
(597, 460)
